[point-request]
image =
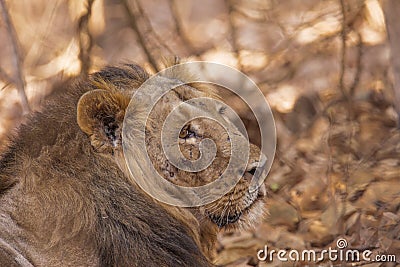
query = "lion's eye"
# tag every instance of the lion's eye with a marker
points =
(186, 132)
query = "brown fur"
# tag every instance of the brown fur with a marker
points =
(66, 198)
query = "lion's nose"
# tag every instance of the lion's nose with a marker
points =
(252, 168)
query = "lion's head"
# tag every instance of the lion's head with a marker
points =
(101, 114)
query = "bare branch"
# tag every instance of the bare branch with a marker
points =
(242, 13)
(151, 30)
(19, 80)
(85, 39)
(392, 9)
(347, 95)
(134, 24)
(235, 45)
(5, 77)
(357, 76)
(179, 28)
(343, 51)
(178, 24)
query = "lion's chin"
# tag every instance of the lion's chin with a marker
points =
(246, 218)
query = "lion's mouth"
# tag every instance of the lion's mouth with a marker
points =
(221, 222)
(233, 218)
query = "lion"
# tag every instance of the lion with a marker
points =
(66, 198)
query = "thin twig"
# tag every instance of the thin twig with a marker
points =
(342, 88)
(85, 39)
(329, 167)
(19, 80)
(178, 25)
(5, 77)
(180, 30)
(391, 10)
(147, 23)
(373, 152)
(343, 51)
(139, 34)
(348, 97)
(322, 113)
(357, 76)
(253, 19)
(233, 31)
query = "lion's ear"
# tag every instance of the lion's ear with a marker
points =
(100, 115)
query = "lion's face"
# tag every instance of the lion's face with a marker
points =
(239, 207)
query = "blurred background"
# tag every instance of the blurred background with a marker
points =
(326, 67)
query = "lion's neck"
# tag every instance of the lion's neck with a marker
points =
(203, 231)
